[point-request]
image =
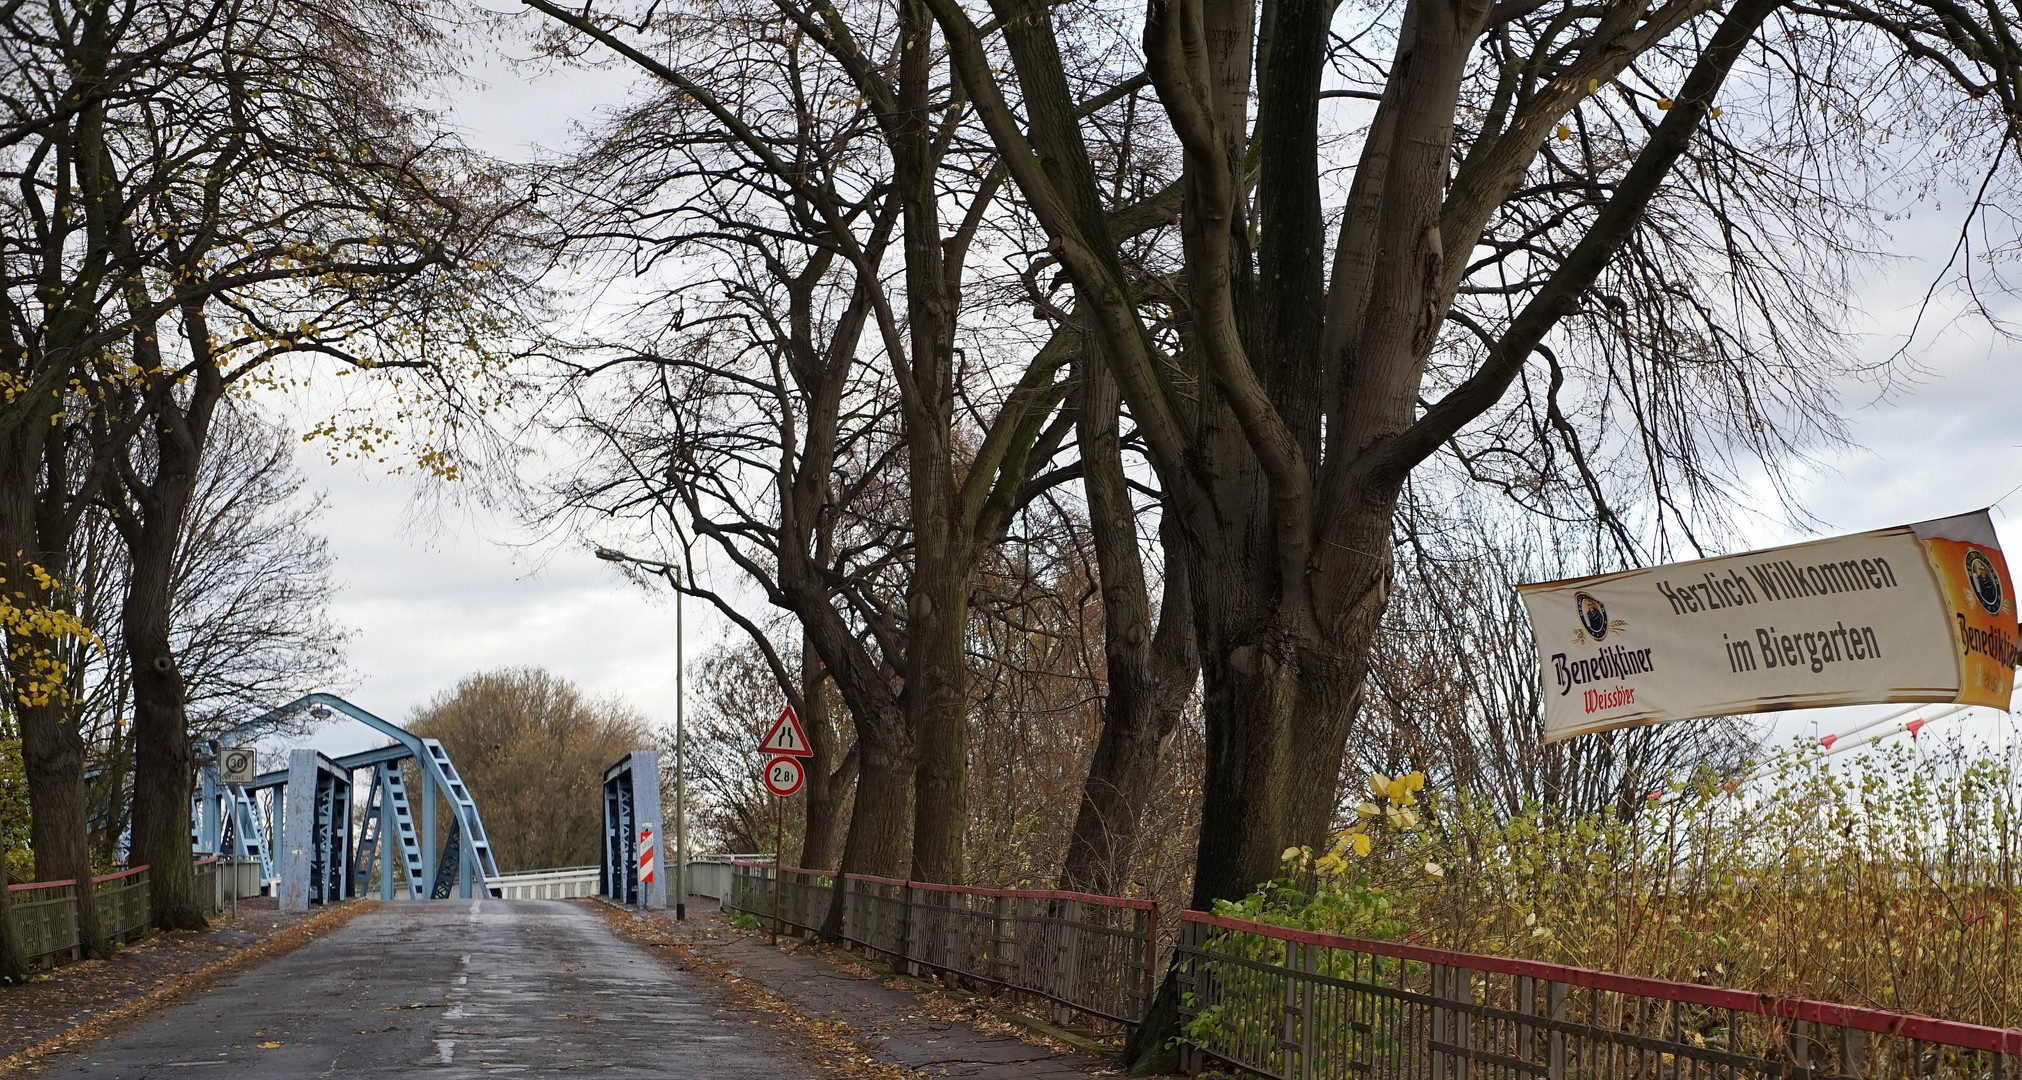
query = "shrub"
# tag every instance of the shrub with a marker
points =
(1891, 881)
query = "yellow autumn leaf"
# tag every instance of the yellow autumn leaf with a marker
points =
(1664, 103)
(1379, 785)
(1564, 133)
(1362, 843)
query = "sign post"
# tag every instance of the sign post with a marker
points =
(785, 743)
(237, 767)
(778, 857)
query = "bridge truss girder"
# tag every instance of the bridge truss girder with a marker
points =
(389, 834)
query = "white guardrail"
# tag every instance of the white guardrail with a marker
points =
(561, 883)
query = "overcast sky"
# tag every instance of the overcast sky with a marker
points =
(431, 599)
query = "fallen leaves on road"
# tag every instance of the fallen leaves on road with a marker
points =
(95, 998)
(829, 1039)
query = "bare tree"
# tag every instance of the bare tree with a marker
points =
(752, 110)
(277, 196)
(1150, 669)
(1527, 181)
(249, 601)
(532, 749)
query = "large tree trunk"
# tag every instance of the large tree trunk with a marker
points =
(13, 958)
(159, 504)
(886, 752)
(937, 701)
(52, 754)
(162, 755)
(828, 781)
(876, 842)
(52, 749)
(1150, 673)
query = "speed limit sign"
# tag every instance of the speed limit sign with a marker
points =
(784, 776)
(236, 765)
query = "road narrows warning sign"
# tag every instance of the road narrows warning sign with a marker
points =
(786, 736)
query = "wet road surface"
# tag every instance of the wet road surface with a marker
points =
(451, 989)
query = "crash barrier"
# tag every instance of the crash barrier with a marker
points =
(44, 913)
(1089, 953)
(1298, 1006)
(560, 883)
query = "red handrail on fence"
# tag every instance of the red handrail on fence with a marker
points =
(99, 879)
(1151, 906)
(1929, 1029)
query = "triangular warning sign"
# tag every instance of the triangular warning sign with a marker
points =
(786, 736)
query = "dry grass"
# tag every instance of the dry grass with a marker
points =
(1896, 884)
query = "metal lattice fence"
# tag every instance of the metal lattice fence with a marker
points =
(44, 913)
(1090, 953)
(1300, 1006)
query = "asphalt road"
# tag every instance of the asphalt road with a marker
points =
(454, 989)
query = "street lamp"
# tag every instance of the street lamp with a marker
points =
(672, 574)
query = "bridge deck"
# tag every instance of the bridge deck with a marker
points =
(458, 989)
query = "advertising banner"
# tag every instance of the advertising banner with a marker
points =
(1919, 613)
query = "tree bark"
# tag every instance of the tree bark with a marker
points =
(828, 781)
(876, 841)
(163, 758)
(13, 957)
(157, 509)
(52, 754)
(34, 531)
(936, 699)
(937, 600)
(1150, 673)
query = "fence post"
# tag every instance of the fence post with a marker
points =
(908, 928)
(1800, 1046)
(1192, 940)
(1463, 979)
(1852, 1052)
(1288, 1012)
(1309, 992)
(1527, 1003)
(999, 909)
(1439, 1014)
(1145, 922)
(1555, 1001)
(1068, 978)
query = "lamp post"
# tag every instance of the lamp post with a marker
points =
(672, 574)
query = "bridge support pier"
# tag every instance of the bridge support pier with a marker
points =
(316, 856)
(632, 865)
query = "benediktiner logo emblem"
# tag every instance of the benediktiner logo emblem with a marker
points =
(1593, 616)
(1986, 584)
